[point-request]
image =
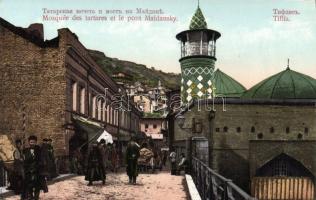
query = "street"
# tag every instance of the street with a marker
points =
(160, 185)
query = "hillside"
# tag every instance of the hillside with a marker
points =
(138, 72)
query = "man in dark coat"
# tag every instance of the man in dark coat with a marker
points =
(103, 154)
(51, 166)
(18, 172)
(132, 154)
(31, 183)
(95, 170)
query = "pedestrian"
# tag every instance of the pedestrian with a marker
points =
(172, 157)
(31, 183)
(182, 164)
(94, 170)
(103, 154)
(18, 172)
(132, 154)
(113, 157)
(52, 162)
(44, 165)
(77, 162)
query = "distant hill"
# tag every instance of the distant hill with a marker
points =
(138, 72)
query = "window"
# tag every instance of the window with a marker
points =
(271, 130)
(99, 109)
(280, 168)
(103, 111)
(82, 100)
(94, 106)
(225, 129)
(217, 129)
(306, 130)
(260, 136)
(108, 113)
(238, 129)
(146, 125)
(299, 136)
(116, 117)
(253, 129)
(123, 118)
(74, 96)
(155, 126)
(287, 130)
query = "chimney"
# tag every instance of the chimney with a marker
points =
(36, 30)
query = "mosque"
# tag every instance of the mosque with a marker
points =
(262, 138)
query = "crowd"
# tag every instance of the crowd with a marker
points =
(34, 165)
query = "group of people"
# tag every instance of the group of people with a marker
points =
(32, 167)
(80, 161)
(97, 162)
(182, 165)
(96, 168)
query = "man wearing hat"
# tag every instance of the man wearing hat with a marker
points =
(95, 169)
(132, 154)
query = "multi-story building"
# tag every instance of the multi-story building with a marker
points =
(55, 89)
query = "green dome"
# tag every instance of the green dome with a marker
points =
(287, 84)
(198, 20)
(226, 85)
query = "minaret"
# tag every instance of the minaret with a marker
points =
(198, 47)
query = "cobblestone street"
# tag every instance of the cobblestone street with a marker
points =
(150, 186)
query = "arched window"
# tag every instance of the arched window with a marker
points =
(271, 130)
(287, 130)
(94, 106)
(74, 96)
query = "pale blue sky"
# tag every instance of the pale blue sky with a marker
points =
(252, 46)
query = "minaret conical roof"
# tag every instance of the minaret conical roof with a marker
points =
(198, 20)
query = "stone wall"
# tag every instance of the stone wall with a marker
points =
(239, 124)
(31, 77)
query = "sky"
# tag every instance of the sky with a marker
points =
(252, 47)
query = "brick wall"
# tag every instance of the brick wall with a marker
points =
(230, 145)
(32, 76)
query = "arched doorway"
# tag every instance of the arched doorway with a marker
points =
(283, 177)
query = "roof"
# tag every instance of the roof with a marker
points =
(226, 85)
(198, 20)
(287, 84)
(22, 32)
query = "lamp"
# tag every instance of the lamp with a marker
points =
(180, 119)
(212, 114)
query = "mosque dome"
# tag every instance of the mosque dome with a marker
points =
(226, 85)
(287, 84)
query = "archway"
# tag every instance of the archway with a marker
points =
(283, 177)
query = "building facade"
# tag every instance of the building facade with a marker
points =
(46, 86)
(256, 137)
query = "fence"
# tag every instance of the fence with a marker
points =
(213, 186)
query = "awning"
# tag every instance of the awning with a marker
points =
(92, 129)
(106, 136)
